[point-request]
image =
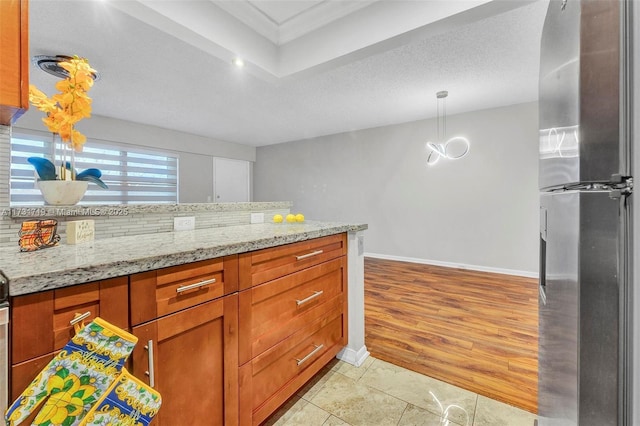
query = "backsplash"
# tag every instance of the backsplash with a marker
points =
(5, 164)
(120, 220)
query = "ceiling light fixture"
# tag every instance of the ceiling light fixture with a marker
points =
(51, 64)
(455, 147)
(238, 62)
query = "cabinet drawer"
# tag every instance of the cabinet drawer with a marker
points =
(271, 312)
(303, 354)
(260, 266)
(41, 322)
(158, 293)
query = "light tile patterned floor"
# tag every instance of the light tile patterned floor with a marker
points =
(382, 394)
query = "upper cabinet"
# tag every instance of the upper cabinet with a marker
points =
(14, 66)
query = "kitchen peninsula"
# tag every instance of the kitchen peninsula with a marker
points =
(236, 318)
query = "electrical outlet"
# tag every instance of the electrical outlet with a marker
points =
(257, 217)
(184, 223)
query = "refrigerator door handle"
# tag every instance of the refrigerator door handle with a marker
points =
(542, 279)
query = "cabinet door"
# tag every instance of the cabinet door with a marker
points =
(14, 66)
(40, 322)
(23, 374)
(191, 358)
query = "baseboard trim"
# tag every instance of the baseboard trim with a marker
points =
(352, 356)
(527, 274)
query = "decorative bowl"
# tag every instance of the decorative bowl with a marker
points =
(62, 192)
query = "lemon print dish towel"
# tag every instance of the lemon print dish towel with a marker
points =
(87, 384)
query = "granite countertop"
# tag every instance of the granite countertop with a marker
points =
(67, 265)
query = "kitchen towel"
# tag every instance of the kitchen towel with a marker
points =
(128, 402)
(82, 376)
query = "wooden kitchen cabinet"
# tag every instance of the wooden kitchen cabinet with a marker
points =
(225, 341)
(40, 322)
(14, 66)
(186, 320)
(292, 319)
(23, 373)
(191, 358)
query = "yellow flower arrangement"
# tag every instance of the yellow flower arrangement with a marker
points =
(71, 105)
(64, 110)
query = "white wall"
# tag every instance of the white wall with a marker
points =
(195, 153)
(479, 212)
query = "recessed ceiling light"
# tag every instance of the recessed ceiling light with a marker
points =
(51, 65)
(238, 62)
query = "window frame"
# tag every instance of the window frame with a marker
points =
(131, 179)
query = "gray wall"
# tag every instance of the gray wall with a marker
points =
(196, 178)
(479, 212)
(195, 153)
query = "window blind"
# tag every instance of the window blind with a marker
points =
(134, 175)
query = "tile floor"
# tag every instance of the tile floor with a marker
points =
(381, 394)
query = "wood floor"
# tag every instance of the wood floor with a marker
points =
(475, 330)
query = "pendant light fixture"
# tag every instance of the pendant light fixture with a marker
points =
(453, 148)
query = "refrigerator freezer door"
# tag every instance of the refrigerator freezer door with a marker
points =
(601, 154)
(600, 68)
(559, 102)
(600, 283)
(558, 314)
(580, 93)
(579, 355)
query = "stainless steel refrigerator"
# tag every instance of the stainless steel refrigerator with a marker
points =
(585, 215)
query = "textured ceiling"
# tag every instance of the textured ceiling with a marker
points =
(155, 78)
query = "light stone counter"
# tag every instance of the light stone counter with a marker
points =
(67, 265)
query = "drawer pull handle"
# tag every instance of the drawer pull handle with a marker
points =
(313, 253)
(196, 285)
(79, 318)
(310, 354)
(313, 296)
(150, 372)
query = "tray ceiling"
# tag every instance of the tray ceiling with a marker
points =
(313, 67)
